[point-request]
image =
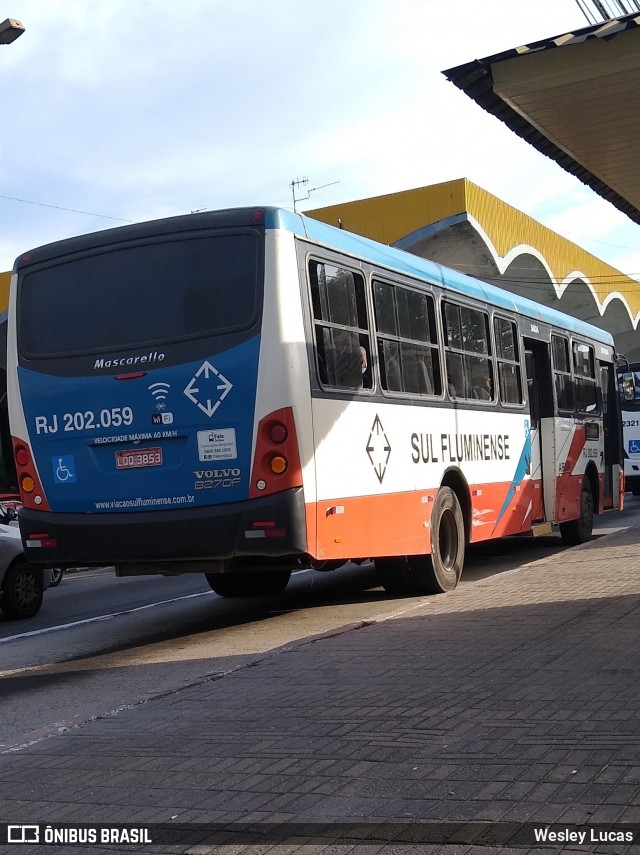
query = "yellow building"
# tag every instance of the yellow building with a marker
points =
(462, 226)
(5, 278)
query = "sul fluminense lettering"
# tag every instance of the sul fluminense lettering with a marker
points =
(459, 447)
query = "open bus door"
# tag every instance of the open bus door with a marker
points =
(612, 428)
(538, 369)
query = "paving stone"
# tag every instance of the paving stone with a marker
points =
(514, 698)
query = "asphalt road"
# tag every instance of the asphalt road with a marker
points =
(102, 643)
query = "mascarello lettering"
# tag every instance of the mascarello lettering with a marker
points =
(127, 361)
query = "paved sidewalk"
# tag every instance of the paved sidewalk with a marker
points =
(516, 698)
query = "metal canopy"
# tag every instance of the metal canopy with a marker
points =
(576, 98)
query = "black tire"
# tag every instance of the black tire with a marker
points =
(579, 531)
(440, 572)
(56, 577)
(252, 584)
(394, 575)
(22, 591)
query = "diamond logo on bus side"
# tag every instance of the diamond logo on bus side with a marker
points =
(378, 448)
(208, 388)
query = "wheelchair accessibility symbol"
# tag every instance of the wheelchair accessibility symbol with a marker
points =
(64, 469)
(634, 446)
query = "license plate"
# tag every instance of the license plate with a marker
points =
(138, 457)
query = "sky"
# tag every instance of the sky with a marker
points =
(118, 111)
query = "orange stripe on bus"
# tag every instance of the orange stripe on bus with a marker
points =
(398, 523)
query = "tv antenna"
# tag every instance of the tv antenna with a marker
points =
(298, 182)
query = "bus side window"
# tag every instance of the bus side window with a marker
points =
(407, 339)
(390, 366)
(468, 352)
(347, 359)
(425, 382)
(341, 327)
(584, 374)
(455, 375)
(562, 372)
(508, 359)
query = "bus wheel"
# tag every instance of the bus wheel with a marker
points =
(251, 584)
(394, 575)
(435, 574)
(21, 591)
(580, 530)
(440, 573)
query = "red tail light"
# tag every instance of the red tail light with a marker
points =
(31, 492)
(276, 463)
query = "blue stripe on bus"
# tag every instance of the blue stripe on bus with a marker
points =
(522, 467)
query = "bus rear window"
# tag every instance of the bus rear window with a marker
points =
(129, 296)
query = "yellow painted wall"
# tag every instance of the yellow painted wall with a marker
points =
(389, 218)
(508, 228)
(5, 278)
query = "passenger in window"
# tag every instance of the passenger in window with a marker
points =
(365, 379)
(363, 360)
(482, 386)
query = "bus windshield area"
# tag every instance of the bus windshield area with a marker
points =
(162, 290)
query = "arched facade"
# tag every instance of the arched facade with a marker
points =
(462, 226)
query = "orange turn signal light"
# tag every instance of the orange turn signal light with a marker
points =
(27, 484)
(278, 465)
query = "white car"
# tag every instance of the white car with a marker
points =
(21, 584)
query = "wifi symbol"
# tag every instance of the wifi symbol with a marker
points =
(159, 391)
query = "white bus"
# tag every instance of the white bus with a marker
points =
(248, 392)
(629, 386)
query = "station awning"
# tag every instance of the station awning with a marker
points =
(574, 97)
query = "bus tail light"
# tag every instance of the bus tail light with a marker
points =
(263, 528)
(27, 484)
(22, 456)
(276, 463)
(278, 433)
(31, 492)
(42, 540)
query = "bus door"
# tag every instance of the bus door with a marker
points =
(539, 382)
(612, 429)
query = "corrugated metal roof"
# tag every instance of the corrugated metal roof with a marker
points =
(574, 97)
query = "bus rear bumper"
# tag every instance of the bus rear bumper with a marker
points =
(270, 528)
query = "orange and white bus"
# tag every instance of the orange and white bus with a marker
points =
(249, 392)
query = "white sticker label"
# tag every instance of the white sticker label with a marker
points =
(217, 444)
